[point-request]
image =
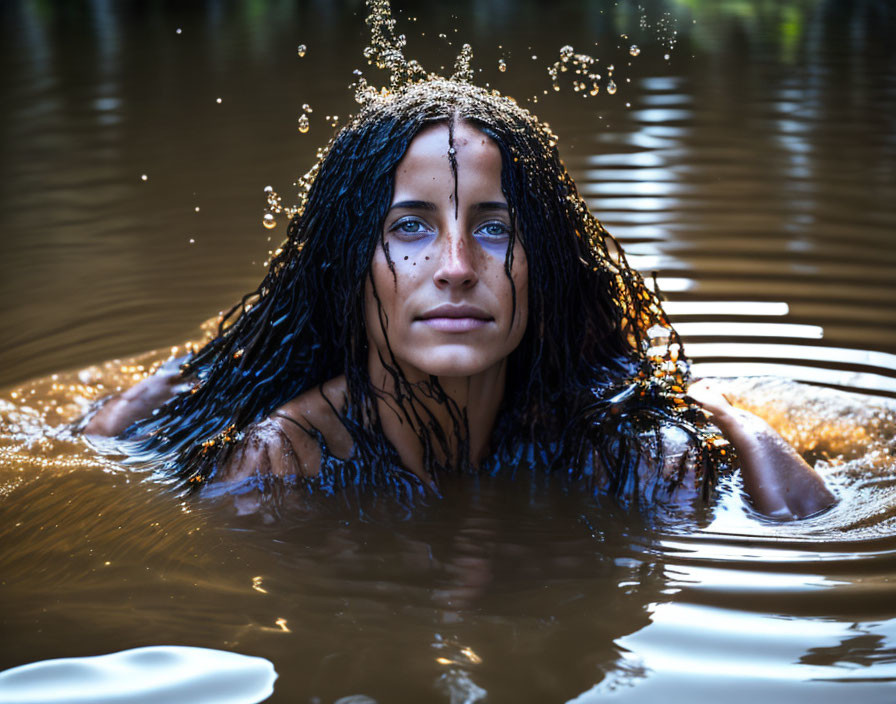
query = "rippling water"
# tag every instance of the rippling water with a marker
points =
(754, 171)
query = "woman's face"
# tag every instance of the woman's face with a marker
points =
(448, 308)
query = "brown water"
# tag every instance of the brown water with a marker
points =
(755, 171)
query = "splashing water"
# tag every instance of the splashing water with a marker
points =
(582, 67)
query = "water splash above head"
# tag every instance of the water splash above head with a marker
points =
(386, 52)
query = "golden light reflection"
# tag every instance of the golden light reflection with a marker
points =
(466, 656)
(471, 656)
(257, 585)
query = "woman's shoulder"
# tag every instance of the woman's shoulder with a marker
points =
(660, 462)
(315, 417)
(291, 440)
(672, 464)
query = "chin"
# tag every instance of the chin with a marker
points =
(452, 361)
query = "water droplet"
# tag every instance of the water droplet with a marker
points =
(502, 65)
(268, 189)
(196, 208)
(304, 124)
(301, 50)
(634, 51)
(179, 30)
(218, 101)
(192, 241)
(611, 88)
(144, 177)
(666, 57)
(268, 221)
(307, 108)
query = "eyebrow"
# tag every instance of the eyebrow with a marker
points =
(413, 205)
(491, 205)
(427, 205)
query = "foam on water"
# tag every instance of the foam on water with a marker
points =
(161, 673)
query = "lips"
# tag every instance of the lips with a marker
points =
(455, 318)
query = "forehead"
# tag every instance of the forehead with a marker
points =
(428, 152)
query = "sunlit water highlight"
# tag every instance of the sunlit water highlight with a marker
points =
(170, 674)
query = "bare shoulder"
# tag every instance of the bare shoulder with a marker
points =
(263, 449)
(668, 468)
(288, 441)
(314, 416)
(676, 472)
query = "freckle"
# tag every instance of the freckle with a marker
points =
(415, 263)
(405, 258)
(427, 258)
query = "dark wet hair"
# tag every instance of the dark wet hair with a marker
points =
(583, 380)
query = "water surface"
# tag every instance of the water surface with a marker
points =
(754, 171)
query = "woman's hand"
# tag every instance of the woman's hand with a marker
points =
(136, 403)
(779, 482)
(710, 399)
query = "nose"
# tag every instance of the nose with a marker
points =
(457, 262)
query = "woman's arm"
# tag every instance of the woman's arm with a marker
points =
(138, 402)
(779, 482)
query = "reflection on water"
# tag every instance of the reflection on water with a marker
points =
(173, 674)
(754, 172)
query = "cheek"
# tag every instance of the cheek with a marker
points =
(392, 284)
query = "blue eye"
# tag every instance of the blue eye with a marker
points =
(410, 227)
(495, 230)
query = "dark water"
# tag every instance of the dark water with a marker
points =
(754, 171)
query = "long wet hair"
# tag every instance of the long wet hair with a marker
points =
(585, 379)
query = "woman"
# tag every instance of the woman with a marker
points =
(445, 302)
